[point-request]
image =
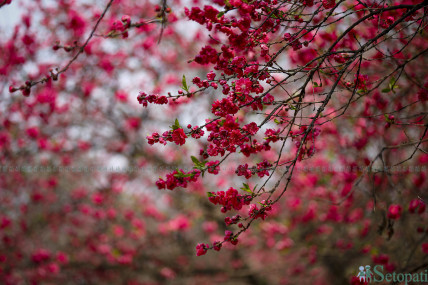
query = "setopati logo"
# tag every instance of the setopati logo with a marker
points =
(366, 274)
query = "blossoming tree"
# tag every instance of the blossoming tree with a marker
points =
(290, 136)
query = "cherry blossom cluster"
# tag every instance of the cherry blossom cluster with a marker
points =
(310, 138)
(202, 248)
(255, 212)
(228, 236)
(205, 83)
(213, 167)
(261, 169)
(227, 135)
(231, 199)
(233, 220)
(144, 99)
(178, 178)
(272, 135)
(178, 136)
(121, 26)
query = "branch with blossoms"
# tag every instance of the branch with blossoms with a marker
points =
(54, 73)
(282, 73)
(243, 28)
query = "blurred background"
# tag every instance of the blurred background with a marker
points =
(78, 200)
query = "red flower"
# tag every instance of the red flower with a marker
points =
(394, 211)
(417, 205)
(217, 246)
(201, 249)
(33, 132)
(178, 136)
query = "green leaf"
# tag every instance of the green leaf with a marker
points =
(277, 121)
(210, 194)
(392, 84)
(198, 164)
(386, 90)
(184, 83)
(255, 187)
(219, 15)
(195, 160)
(246, 188)
(179, 174)
(316, 84)
(176, 125)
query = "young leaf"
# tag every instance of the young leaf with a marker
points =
(176, 125)
(179, 174)
(184, 83)
(195, 160)
(246, 188)
(392, 84)
(254, 189)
